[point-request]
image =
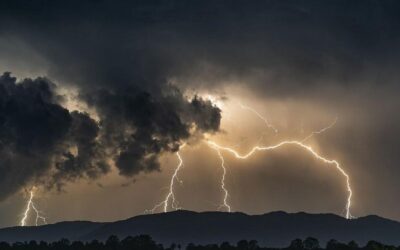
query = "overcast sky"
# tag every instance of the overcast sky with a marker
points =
(96, 98)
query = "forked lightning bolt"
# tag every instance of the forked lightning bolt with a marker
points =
(301, 145)
(30, 205)
(269, 125)
(171, 194)
(226, 194)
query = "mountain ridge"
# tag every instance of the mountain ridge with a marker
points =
(274, 229)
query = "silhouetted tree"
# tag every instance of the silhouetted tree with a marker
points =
(253, 245)
(17, 245)
(112, 243)
(172, 246)
(336, 245)
(62, 244)
(127, 243)
(145, 242)
(353, 245)
(141, 242)
(210, 247)
(43, 245)
(374, 245)
(77, 245)
(243, 245)
(4, 246)
(296, 244)
(311, 243)
(94, 245)
(191, 246)
(32, 245)
(226, 246)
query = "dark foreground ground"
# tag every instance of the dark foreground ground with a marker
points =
(145, 242)
(276, 229)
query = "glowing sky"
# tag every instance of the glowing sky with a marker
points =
(302, 66)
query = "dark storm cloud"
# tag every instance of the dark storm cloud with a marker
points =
(278, 47)
(31, 127)
(139, 126)
(85, 157)
(36, 131)
(42, 142)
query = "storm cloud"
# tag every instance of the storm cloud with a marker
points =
(37, 134)
(139, 126)
(44, 143)
(284, 47)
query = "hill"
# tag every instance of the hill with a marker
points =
(275, 229)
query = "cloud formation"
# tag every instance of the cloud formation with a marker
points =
(139, 126)
(43, 142)
(37, 134)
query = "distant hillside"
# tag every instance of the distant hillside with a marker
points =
(52, 232)
(272, 229)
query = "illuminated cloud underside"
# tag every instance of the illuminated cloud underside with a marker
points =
(171, 195)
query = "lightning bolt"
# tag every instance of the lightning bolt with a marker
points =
(30, 204)
(320, 131)
(265, 120)
(269, 125)
(171, 194)
(303, 146)
(226, 193)
(225, 190)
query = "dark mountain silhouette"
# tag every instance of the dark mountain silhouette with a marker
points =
(52, 232)
(273, 229)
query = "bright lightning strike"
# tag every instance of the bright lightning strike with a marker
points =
(225, 190)
(38, 216)
(171, 194)
(28, 207)
(30, 204)
(170, 200)
(299, 144)
(226, 193)
(269, 125)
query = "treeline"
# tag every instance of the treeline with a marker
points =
(145, 242)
